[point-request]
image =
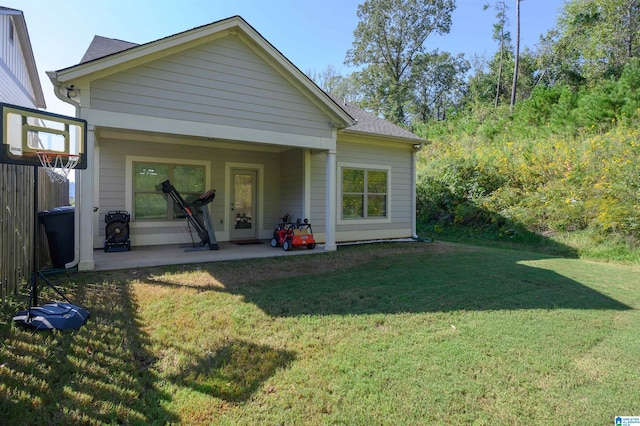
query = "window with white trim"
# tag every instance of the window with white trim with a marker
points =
(364, 193)
(150, 203)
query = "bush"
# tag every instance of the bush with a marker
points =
(504, 189)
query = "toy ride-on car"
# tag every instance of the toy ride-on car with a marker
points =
(289, 235)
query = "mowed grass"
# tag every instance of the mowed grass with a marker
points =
(388, 334)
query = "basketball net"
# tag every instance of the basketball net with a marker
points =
(58, 166)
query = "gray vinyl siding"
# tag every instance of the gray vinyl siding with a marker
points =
(397, 157)
(292, 183)
(14, 76)
(318, 192)
(222, 82)
(112, 188)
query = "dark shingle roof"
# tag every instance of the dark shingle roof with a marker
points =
(10, 11)
(366, 122)
(370, 123)
(103, 46)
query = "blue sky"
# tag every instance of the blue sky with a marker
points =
(311, 34)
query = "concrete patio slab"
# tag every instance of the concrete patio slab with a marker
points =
(140, 257)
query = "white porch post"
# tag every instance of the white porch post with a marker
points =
(331, 202)
(84, 206)
(414, 233)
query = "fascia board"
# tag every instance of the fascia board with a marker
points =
(358, 136)
(27, 53)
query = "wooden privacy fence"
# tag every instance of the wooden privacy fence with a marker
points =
(16, 222)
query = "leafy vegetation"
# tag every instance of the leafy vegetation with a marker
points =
(562, 160)
(565, 162)
(409, 333)
(388, 39)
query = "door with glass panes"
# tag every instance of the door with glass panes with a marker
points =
(243, 204)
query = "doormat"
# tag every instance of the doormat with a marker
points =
(246, 242)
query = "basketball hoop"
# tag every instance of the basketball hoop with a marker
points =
(58, 166)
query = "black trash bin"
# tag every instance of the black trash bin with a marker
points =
(59, 227)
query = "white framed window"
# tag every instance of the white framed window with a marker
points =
(364, 193)
(145, 199)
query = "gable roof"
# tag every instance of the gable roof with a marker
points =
(27, 52)
(121, 55)
(365, 122)
(356, 120)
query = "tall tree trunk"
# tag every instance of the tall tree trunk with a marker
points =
(499, 73)
(517, 58)
(502, 20)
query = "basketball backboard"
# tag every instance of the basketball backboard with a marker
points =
(27, 132)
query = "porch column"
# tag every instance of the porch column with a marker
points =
(414, 233)
(84, 206)
(330, 214)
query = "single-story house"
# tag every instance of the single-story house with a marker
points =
(219, 107)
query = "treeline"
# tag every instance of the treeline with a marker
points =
(398, 79)
(565, 164)
(524, 144)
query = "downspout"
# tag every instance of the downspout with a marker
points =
(76, 219)
(59, 89)
(414, 172)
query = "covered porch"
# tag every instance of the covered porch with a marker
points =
(261, 181)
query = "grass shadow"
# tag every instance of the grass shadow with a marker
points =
(235, 371)
(100, 374)
(417, 277)
(392, 278)
(460, 219)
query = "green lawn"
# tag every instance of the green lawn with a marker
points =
(397, 334)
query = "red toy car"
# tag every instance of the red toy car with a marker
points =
(290, 235)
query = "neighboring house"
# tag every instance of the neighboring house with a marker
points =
(19, 81)
(20, 85)
(219, 107)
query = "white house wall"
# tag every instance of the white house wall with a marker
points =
(14, 76)
(222, 82)
(395, 156)
(115, 189)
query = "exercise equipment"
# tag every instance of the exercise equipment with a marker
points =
(203, 226)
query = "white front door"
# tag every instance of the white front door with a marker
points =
(243, 204)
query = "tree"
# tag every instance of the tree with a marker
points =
(503, 37)
(389, 35)
(598, 37)
(328, 80)
(439, 83)
(548, 70)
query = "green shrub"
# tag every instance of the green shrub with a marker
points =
(508, 188)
